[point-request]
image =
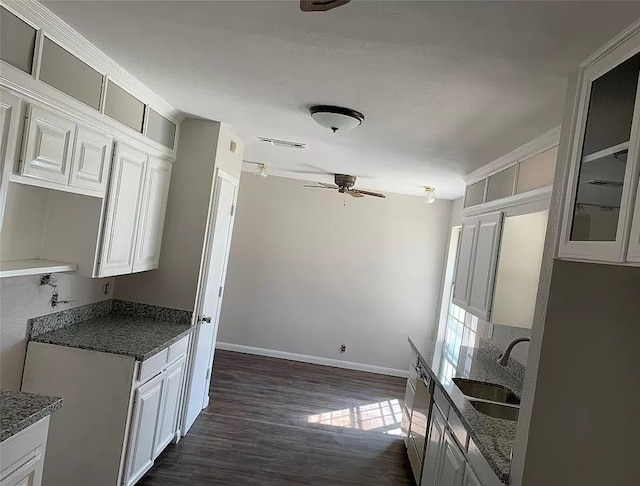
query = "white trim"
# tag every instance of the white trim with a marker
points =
(534, 147)
(536, 195)
(40, 93)
(612, 45)
(41, 17)
(304, 358)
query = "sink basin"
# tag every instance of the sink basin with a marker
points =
(496, 410)
(486, 391)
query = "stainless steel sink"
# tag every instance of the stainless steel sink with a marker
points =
(496, 410)
(486, 391)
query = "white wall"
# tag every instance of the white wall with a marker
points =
(22, 298)
(307, 274)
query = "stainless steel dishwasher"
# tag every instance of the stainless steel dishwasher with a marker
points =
(419, 423)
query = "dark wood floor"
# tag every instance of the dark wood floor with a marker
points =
(277, 422)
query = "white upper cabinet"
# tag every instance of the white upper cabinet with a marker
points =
(152, 212)
(123, 208)
(483, 268)
(463, 263)
(91, 159)
(47, 146)
(603, 175)
(476, 264)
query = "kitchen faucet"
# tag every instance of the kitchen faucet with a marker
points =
(504, 358)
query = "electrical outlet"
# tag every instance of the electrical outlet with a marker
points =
(343, 348)
(107, 288)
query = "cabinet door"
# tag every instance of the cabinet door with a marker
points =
(171, 389)
(483, 266)
(435, 442)
(91, 159)
(144, 422)
(604, 158)
(452, 463)
(463, 263)
(152, 212)
(123, 208)
(470, 478)
(47, 146)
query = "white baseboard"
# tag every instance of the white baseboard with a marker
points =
(336, 363)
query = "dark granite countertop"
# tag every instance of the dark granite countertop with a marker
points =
(135, 336)
(19, 410)
(493, 437)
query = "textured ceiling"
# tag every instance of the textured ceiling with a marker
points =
(445, 86)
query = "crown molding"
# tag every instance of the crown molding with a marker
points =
(55, 28)
(534, 147)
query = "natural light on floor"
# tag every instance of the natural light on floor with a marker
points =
(384, 416)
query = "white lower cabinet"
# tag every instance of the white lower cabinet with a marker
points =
(22, 456)
(118, 414)
(168, 419)
(433, 453)
(155, 418)
(446, 463)
(452, 463)
(470, 478)
(146, 413)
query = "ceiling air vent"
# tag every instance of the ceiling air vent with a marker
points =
(321, 5)
(283, 143)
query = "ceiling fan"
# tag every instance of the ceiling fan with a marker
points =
(344, 184)
(320, 5)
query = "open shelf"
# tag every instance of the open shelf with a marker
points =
(622, 147)
(18, 268)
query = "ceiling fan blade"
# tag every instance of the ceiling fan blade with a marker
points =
(320, 187)
(329, 186)
(368, 193)
(354, 194)
(320, 5)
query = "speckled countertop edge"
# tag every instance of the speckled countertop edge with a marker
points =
(19, 410)
(493, 437)
(137, 337)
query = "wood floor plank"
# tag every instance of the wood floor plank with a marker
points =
(273, 422)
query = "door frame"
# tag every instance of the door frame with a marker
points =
(202, 280)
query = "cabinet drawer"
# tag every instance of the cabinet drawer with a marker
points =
(153, 365)
(178, 349)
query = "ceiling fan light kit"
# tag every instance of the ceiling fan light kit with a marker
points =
(336, 117)
(429, 195)
(261, 170)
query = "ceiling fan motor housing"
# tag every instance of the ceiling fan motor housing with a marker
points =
(344, 182)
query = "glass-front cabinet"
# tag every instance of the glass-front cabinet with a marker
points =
(603, 178)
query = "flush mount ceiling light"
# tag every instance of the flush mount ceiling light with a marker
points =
(429, 195)
(335, 117)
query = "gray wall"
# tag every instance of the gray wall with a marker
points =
(307, 274)
(585, 418)
(22, 298)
